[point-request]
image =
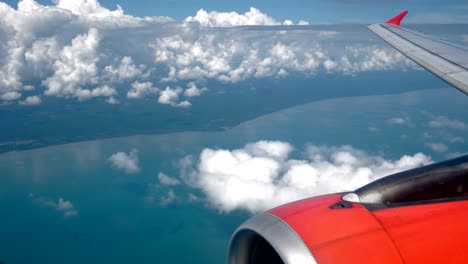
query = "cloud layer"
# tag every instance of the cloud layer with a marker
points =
(234, 56)
(81, 50)
(262, 175)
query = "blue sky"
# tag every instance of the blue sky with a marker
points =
(323, 11)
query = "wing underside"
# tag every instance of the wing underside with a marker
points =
(446, 60)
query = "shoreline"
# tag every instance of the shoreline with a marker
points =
(31, 144)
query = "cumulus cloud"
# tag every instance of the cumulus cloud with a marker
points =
(167, 180)
(10, 96)
(31, 100)
(126, 162)
(89, 8)
(362, 59)
(237, 56)
(437, 147)
(64, 206)
(74, 67)
(447, 123)
(126, 70)
(79, 49)
(104, 90)
(170, 96)
(37, 47)
(399, 121)
(253, 17)
(193, 90)
(141, 89)
(262, 175)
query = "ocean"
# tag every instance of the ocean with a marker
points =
(67, 203)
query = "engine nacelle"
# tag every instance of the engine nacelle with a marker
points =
(416, 216)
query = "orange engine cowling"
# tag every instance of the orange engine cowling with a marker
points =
(416, 216)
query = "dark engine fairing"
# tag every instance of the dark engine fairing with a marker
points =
(440, 181)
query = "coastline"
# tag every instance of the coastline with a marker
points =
(25, 145)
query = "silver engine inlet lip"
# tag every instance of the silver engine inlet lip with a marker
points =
(284, 240)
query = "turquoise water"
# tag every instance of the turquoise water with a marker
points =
(59, 121)
(119, 217)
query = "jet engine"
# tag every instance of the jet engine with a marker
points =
(415, 216)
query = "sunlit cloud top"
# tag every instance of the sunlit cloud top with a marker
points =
(81, 50)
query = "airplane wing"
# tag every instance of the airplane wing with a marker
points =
(446, 60)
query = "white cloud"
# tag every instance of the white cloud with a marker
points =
(398, 121)
(126, 162)
(193, 90)
(126, 70)
(29, 87)
(112, 100)
(184, 104)
(74, 48)
(64, 206)
(141, 89)
(105, 91)
(90, 8)
(41, 56)
(362, 59)
(447, 123)
(10, 96)
(36, 46)
(330, 65)
(443, 132)
(31, 100)
(239, 56)
(272, 149)
(75, 67)
(158, 193)
(171, 97)
(261, 175)
(437, 147)
(167, 199)
(454, 140)
(166, 180)
(253, 17)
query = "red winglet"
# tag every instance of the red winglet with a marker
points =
(397, 19)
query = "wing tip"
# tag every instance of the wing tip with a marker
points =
(396, 21)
